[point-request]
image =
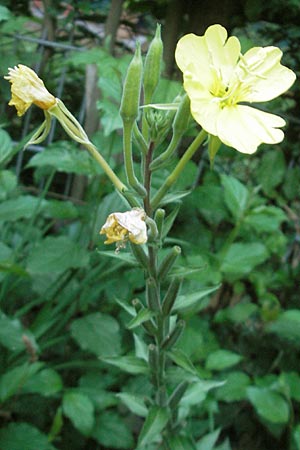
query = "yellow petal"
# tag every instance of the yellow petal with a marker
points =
(245, 128)
(130, 225)
(28, 88)
(261, 68)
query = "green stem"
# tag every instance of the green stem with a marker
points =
(127, 143)
(172, 178)
(167, 153)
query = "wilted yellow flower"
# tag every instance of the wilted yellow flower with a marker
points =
(121, 227)
(28, 88)
(217, 78)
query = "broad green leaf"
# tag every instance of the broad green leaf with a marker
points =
(8, 182)
(271, 170)
(80, 410)
(24, 206)
(209, 202)
(292, 380)
(56, 254)
(142, 316)
(222, 359)
(224, 446)
(12, 334)
(5, 13)
(182, 360)
(12, 381)
(60, 210)
(270, 405)
(287, 326)
(241, 258)
(111, 432)
(236, 195)
(122, 256)
(66, 157)
(208, 441)
(130, 364)
(22, 436)
(95, 387)
(47, 382)
(154, 424)
(174, 197)
(265, 219)
(235, 387)
(134, 403)
(237, 313)
(194, 299)
(97, 333)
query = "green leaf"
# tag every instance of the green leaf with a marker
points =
(176, 442)
(296, 437)
(64, 210)
(80, 410)
(134, 403)
(8, 182)
(236, 195)
(271, 170)
(238, 313)
(12, 332)
(24, 206)
(287, 326)
(94, 387)
(130, 364)
(47, 382)
(98, 333)
(270, 405)
(66, 157)
(241, 258)
(197, 391)
(208, 441)
(5, 13)
(222, 359)
(182, 360)
(154, 424)
(6, 147)
(194, 299)
(235, 388)
(56, 254)
(17, 436)
(111, 432)
(265, 219)
(208, 200)
(123, 256)
(141, 349)
(142, 316)
(12, 381)
(292, 380)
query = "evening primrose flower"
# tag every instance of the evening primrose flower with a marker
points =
(121, 227)
(28, 88)
(218, 80)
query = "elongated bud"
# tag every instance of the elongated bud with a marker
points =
(137, 304)
(153, 358)
(140, 255)
(171, 295)
(153, 65)
(177, 394)
(150, 328)
(132, 88)
(174, 336)
(182, 116)
(152, 295)
(159, 220)
(168, 262)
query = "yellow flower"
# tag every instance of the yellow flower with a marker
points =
(121, 227)
(28, 88)
(217, 78)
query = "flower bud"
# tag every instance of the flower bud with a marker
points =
(153, 65)
(168, 262)
(153, 300)
(177, 394)
(171, 340)
(132, 88)
(182, 116)
(171, 296)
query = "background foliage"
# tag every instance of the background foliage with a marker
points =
(72, 375)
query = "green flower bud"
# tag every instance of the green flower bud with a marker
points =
(168, 262)
(177, 394)
(171, 295)
(153, 300)
(171, 340)
(214, 144)
(132, 88)
(153, 66)
(182, 116)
